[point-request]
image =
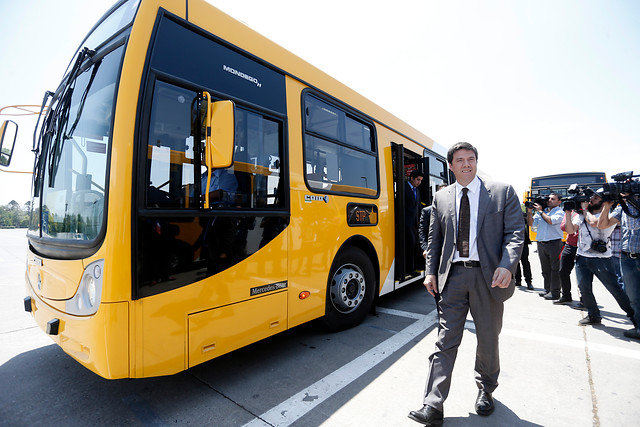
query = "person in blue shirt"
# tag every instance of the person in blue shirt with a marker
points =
(546, 222)
(223, 186)
(630, 254)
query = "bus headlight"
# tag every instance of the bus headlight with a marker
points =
(87, 298)
(91, 290)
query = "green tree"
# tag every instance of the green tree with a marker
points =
(13, 216)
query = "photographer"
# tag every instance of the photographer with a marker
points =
(630, 256)
(594, 258)
(549, 238)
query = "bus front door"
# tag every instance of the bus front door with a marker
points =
(408, 255)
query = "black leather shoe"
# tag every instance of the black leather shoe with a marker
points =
(551, 296)
(578, 305)
(632, 333)
(529, 286)
(428, 416)
(589, 321)
(484, 403)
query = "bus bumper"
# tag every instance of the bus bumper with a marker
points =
(99, 342)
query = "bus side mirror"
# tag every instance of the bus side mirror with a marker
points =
(8, 133)
(221, 130)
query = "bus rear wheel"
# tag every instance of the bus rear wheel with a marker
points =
(350, 290)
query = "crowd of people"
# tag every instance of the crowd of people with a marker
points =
(600, 242)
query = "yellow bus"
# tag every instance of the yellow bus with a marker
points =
(198, 188)
(542, 186)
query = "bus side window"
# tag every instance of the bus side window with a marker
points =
(339, 150)
(170, 169)
(257, 160)
(250, 182)
(437, 175)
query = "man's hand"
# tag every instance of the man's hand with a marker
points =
(424, 254)
(501, 278)
(584, 206)
(430, 284)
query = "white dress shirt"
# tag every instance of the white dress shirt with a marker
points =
(474, 196)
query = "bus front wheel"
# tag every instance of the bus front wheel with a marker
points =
(350, 289)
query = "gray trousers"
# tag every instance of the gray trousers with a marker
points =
(464, 291)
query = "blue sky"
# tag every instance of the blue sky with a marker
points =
(540, 87)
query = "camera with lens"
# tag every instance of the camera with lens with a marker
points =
(624, 191)
(541, 200)
(624, 184)
(579, 194)
(599, 246)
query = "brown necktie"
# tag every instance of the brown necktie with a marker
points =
(464, 224)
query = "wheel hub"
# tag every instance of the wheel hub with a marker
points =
(347, 288)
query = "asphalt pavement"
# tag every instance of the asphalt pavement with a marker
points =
(554, 372)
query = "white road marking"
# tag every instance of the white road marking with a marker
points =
(400, 313)
(568, 342)
(305, 400)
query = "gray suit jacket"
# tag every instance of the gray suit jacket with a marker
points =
(500, 234)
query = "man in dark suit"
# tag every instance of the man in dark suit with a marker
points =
(423, 227)
(411, 209)
(476, 236)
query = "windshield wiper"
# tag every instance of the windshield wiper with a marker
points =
(58, 121)
(36, 146)
(82, 100)
(35, 149)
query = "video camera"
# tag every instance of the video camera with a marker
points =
(624, 190)
(541, 200)
(579, 194)
(624, 183)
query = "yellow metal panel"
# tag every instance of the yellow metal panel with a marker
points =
(163, 331)
(300, 311)
(213, 333)
(57, 279)
(99, 342)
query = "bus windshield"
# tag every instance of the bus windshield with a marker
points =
(110, 25)
(72, 167)
(70, 172)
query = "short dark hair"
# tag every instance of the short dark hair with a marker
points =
(553, 193)
(416, 173)
(460, 146)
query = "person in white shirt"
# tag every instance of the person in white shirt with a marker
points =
(594, 258)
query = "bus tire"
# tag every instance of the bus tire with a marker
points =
(350, 290)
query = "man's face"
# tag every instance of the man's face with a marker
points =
(416, 181)
(595, 202)
(554, 201)
(464, 166)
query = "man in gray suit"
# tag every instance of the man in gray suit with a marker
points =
(476, 236)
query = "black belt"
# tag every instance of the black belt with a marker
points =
(549, 241)
(467, 264)
(631, 254)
